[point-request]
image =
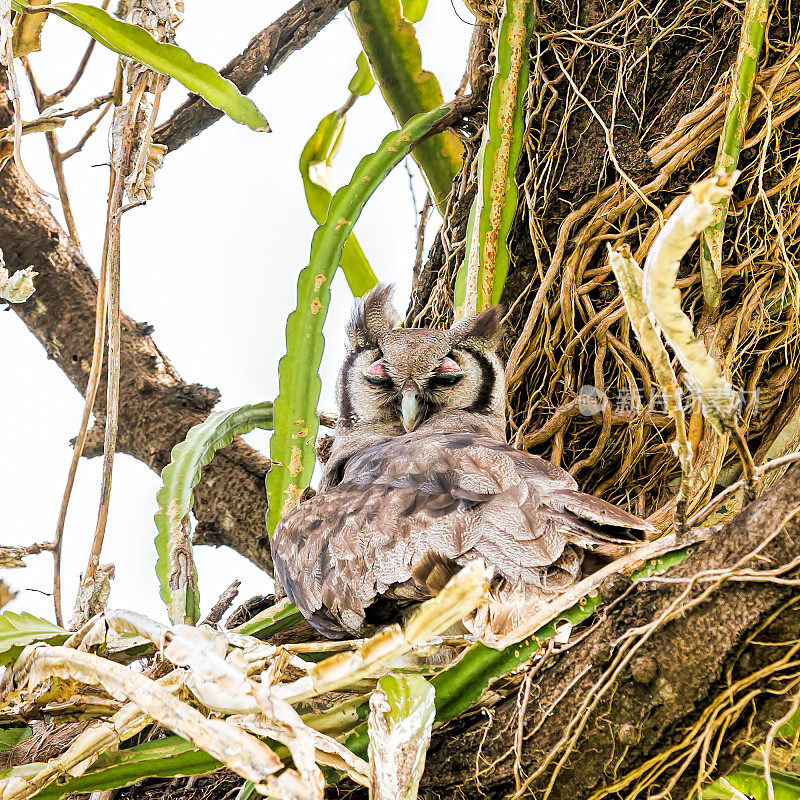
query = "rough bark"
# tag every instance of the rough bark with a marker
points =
(265, 53)
(157, 407)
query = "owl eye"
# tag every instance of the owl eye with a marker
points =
(375, 374)
(448, 372)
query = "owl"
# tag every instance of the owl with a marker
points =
(420, 481)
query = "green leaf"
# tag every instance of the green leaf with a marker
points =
(175, 497)
(362, 83)
(315, 169)
(11, 737)
(170, 757)
(459, 686)
(749, 780)
(754, 23)
(296, 424)
(391, 46)
(136, 43)
(414, 10)
(399, 725)
(246, 791)
(271, 620)
(481, 278)
(790, 728)
(19, 630)
(405, 694)
(658, 566)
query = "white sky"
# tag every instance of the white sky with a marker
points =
(211, 261)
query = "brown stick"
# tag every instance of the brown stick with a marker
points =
(223, 604)
(749, 469)
(63, 195)
(265, 53)
(57, 159)
(57, 97)
(120, 168)
(95, 371)
(44, 101)
(47, 100)
(85, 138)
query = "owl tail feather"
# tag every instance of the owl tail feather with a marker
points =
(597, 510)
(432, 572)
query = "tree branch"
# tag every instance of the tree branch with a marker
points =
(698, 657)
(265, 53)
(157, 407)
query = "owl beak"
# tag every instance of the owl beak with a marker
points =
(410, 407)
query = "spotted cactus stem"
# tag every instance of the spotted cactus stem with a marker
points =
(481, 277)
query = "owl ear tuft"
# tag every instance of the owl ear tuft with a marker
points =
(485, 326)
(373, 317)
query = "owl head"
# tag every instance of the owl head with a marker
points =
(397, 379)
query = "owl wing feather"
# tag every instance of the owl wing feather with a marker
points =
(410, 510)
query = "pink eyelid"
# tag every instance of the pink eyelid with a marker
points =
(376, 370)
(449, 365)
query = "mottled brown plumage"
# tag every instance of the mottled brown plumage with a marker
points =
(421, 482)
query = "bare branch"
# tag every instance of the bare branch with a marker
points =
(265, 53)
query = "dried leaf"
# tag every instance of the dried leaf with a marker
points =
(400, 722)
(238, 750)
(6, 595)
(691, 217)
(28, 31)
(11, 558)
(630, 279)
(92, 595)
(39, 125)
(17, 288)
